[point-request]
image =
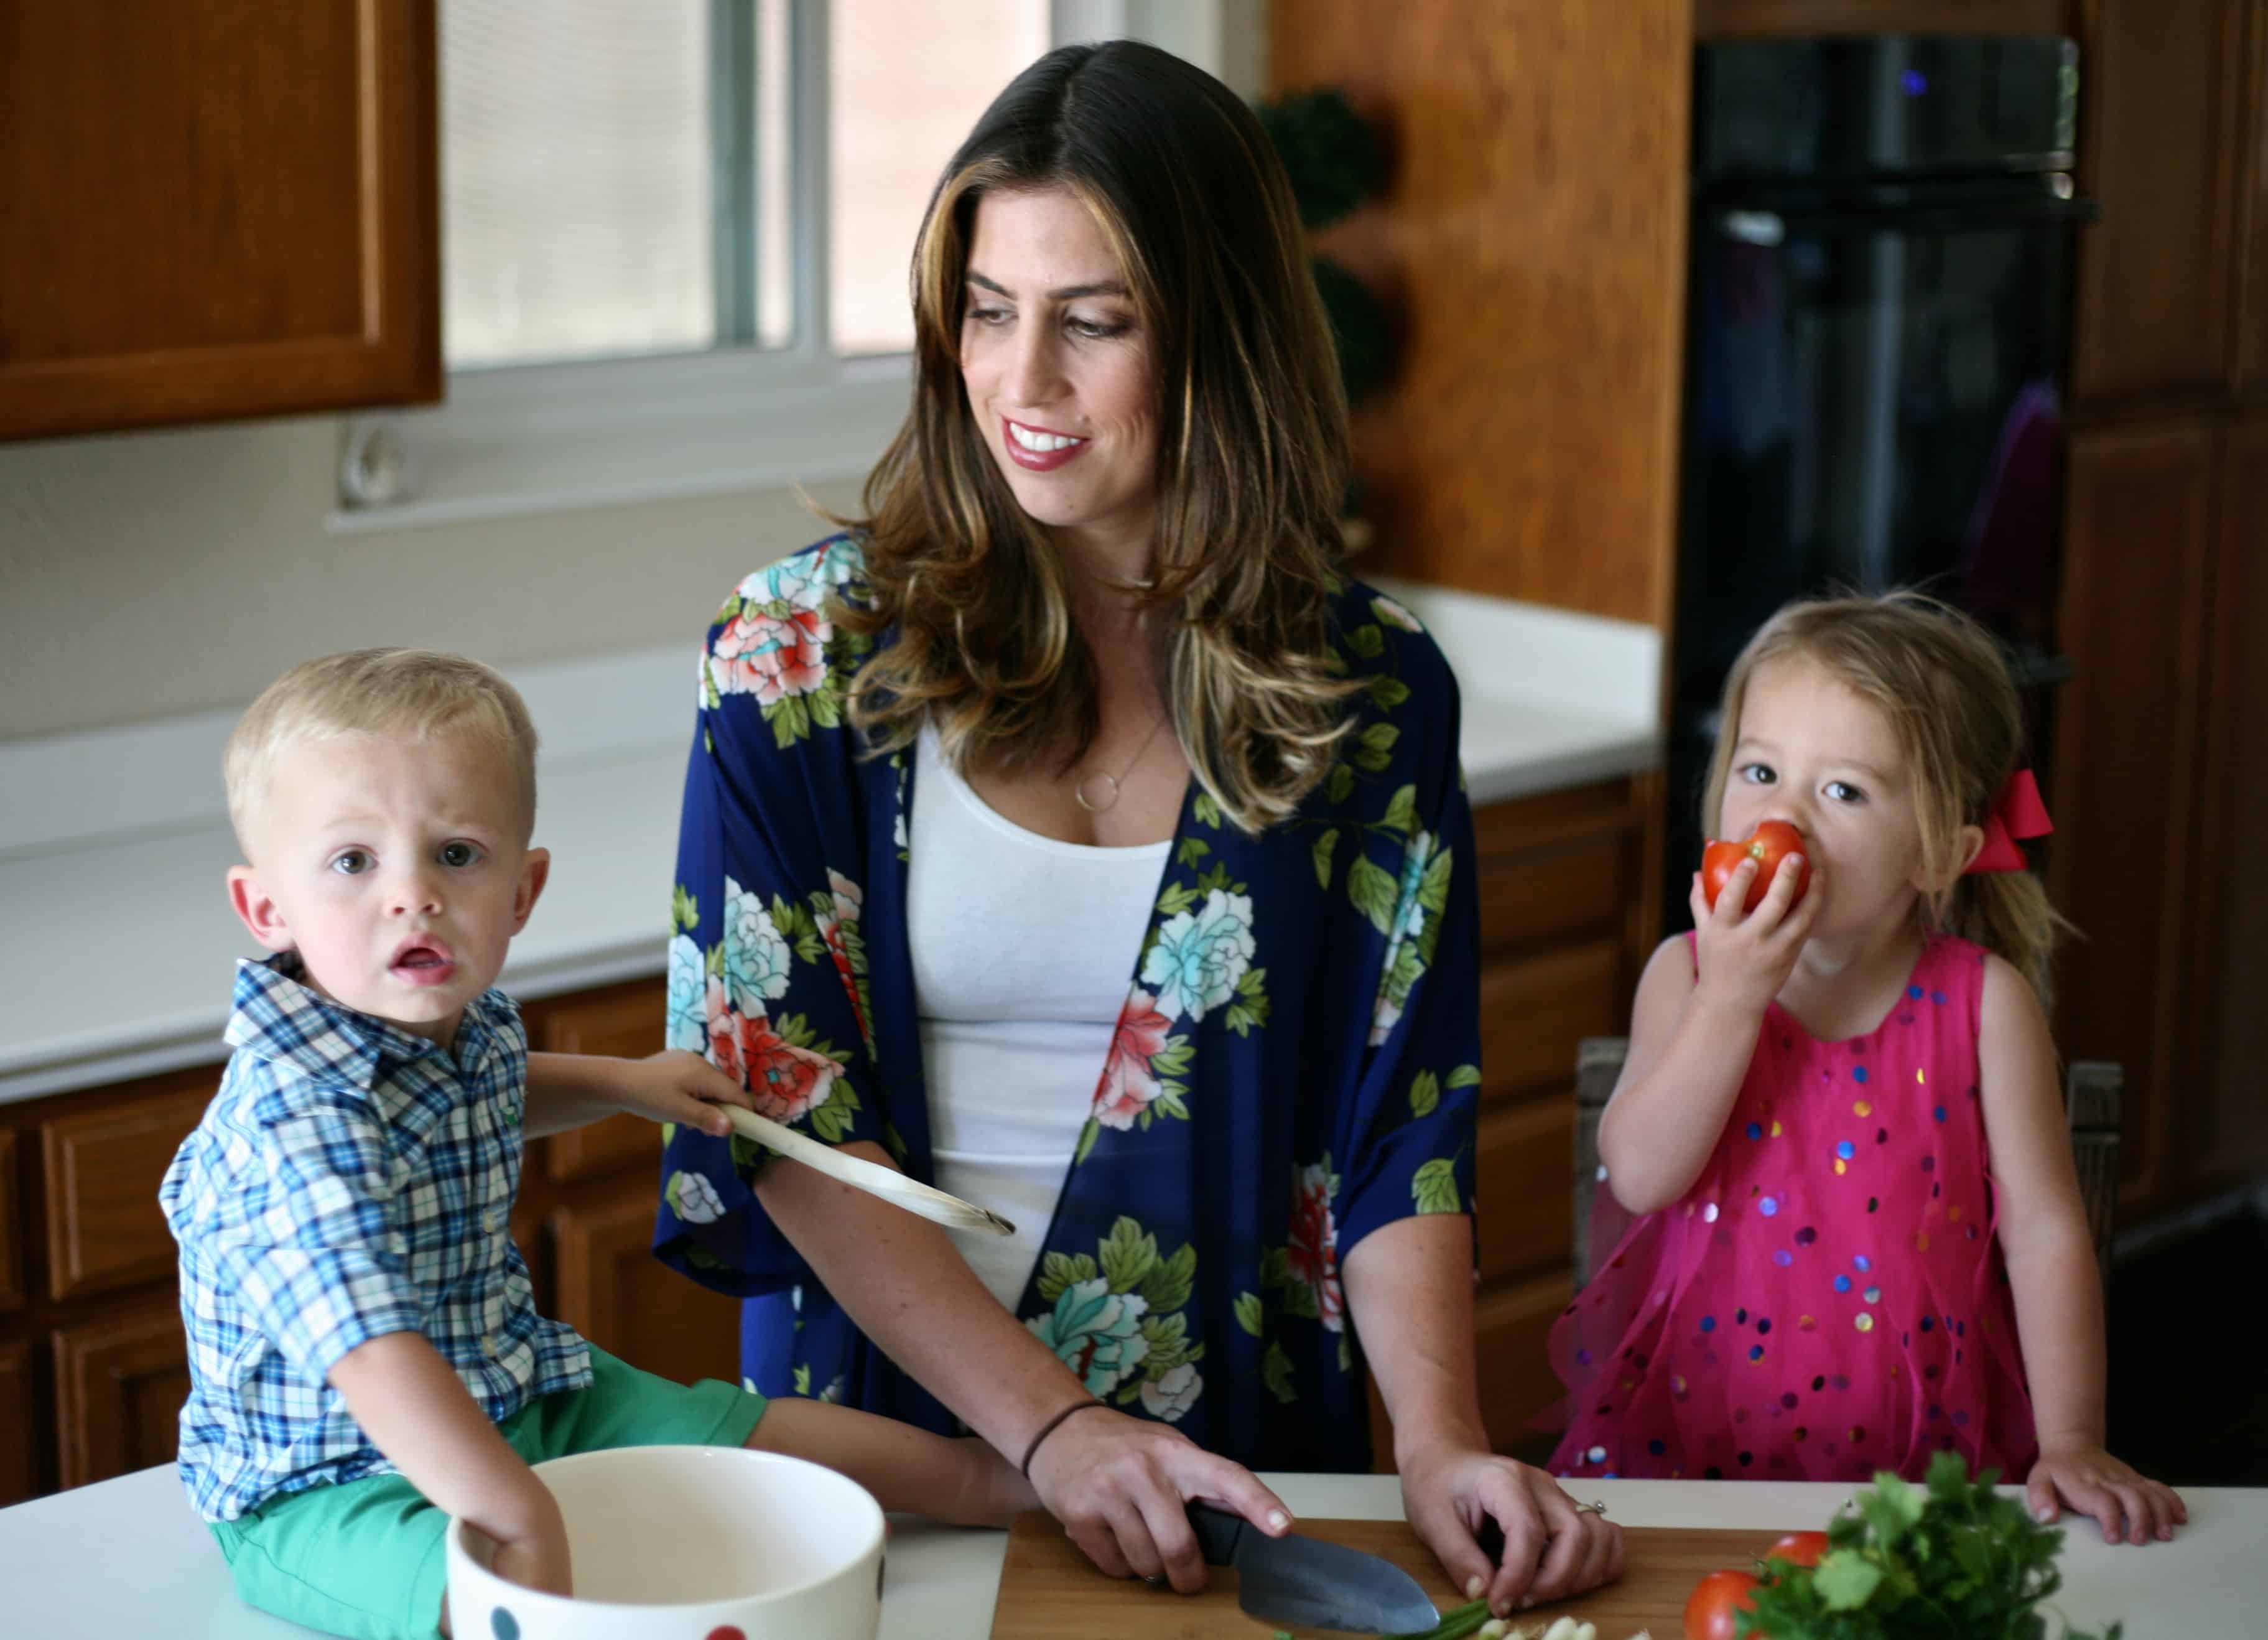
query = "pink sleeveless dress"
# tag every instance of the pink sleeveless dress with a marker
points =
(1829, 1299)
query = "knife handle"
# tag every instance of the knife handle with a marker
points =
(1217, 1531)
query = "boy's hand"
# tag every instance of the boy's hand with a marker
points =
(537, 1557)
(1745, 958)
(676, 1086)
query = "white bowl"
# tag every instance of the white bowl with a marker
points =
(688, 1543)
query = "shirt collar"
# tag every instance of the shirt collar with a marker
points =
(276, 1015)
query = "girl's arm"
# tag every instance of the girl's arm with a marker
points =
(1692, 1039)
(2052, 1272)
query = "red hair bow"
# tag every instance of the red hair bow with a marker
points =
(2018, 814)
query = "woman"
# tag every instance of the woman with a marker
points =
(1070, 834)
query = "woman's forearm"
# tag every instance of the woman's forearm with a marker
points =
(1659, 1130)
(1409, 1294)
(906, 1287)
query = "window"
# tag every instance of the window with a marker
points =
(676, 237)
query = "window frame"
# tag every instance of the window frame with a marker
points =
(515, 440)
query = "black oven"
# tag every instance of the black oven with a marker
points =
(1878, 314)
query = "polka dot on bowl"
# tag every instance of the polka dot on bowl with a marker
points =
(1769, 1206)
(503, 1625)
(727, 1631)
(1864, 1322)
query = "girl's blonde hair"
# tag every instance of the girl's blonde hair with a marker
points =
(417, 694)
(1252, 460)
(1939, 680)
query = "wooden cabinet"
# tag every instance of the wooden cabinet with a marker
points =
(2162, 86)
(2137, 545)
(612, 1292)
(19, 1425)
(217, 210)
(104, 1164)
(120, 1384)
(1803, 20)
(2252, 212)
(11, 1228)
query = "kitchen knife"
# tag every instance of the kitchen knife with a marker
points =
(1293, 1580)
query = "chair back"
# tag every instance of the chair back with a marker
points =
(2091, 1104)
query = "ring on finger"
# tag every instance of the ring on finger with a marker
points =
(1591, 1509)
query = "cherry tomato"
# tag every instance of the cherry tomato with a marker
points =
(1801, 1548)
(1709, 1612)
(1774, 841)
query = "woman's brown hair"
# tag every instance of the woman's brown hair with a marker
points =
(1939, 680)
(1252, 456)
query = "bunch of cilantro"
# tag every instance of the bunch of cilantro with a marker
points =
(1950, 1560)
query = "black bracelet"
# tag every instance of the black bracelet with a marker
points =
(1048, 1429)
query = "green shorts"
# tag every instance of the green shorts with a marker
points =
(367, 1559)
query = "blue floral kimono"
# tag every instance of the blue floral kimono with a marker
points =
(1296, 1064)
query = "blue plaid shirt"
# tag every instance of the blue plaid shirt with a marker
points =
(349, 1181)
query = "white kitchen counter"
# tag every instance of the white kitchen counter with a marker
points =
(127, 1559)
(116, 941)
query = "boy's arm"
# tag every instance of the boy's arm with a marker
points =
(2042, 1228)
(567, 1090)
(963, 1482)
(416, 1410)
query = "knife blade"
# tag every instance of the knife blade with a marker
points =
(1306, 1582)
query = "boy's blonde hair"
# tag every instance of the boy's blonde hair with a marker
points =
(418, 694)
(1939, 680)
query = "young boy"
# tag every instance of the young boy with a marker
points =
(365, 1357)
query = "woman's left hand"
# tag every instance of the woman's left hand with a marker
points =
(1451, 1491)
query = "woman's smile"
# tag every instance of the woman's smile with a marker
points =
(1036, 449)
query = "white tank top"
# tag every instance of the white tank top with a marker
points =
(1023, 951)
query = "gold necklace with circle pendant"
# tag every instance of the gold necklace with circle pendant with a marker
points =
(1105, 786)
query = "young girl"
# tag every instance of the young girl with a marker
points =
(1841, 1116)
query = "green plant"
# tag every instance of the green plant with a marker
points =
(1949, 1560)
(1334, 162)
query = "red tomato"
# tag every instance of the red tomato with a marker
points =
(1774, 841)
(1802, 1548)
(1709, 1612)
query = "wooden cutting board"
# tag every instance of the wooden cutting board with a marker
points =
(1050, 1590)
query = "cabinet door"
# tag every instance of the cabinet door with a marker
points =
(1516, 1380)
(2136, 533)
(105, 1163)
(11, 1230)
(2229, 975)
(224, 209)
(625, 1020)
(19, 1425)
(2158, 136)
(614, 1292)
(2252, 212)
(120, 1384)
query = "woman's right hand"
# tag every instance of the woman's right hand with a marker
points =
(1744, 959)
(1122, 1486)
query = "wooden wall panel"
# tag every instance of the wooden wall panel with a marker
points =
(2228, 979)
(2158, 126)
(2137, 541)
(1533, 243)
(2252, 211)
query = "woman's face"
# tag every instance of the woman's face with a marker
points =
(1058, 368)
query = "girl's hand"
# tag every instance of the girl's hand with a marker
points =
(1745, 959)
(2091, 1481)
(676, 1086)
(1451, 1495)
(1122, 1485)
